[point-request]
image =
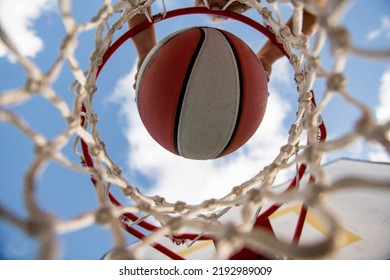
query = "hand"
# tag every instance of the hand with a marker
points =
(141, 59)
(143, 41)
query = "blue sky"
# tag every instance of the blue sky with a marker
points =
(36, 28)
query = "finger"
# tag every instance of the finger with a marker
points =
(135, 80)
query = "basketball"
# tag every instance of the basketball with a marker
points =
(201, 93)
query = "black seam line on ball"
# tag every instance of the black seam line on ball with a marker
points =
(184, 88)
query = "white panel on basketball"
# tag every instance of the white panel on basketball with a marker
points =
(211, 102)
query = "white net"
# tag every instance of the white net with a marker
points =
(304, 145)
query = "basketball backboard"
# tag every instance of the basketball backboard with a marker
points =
(363, 214)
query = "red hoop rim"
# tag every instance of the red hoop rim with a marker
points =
(88, 161)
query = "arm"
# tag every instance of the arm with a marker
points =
(270, 53)
(144, 41)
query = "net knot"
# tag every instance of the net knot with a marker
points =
(33, 84)
(295, 129)
(158, 17)
(208, 203)
(305, 97)
(92, 118)
(294, 59)
(143, 206)
(288, 149)
(299, 77)
(104, 216)
(128, 191)
(94, 150)
(45, 150)
(92, 88)
(285, 32)
(272, 168)
(336, 82)
(313, 63)
(266, 13)
(340, 40)
(115, 170)
(158, 200)
(238, 190)
(180, 206)
(302, 42)
(117, 25)
(365, 127)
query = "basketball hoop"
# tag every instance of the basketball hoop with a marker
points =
(133, 218)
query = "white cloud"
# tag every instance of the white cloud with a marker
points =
(382, 111)
(378, 153)
(281, 73)
(17, 18)
(176, 178)
(383, 29)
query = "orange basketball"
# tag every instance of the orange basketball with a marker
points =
(201, 93)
